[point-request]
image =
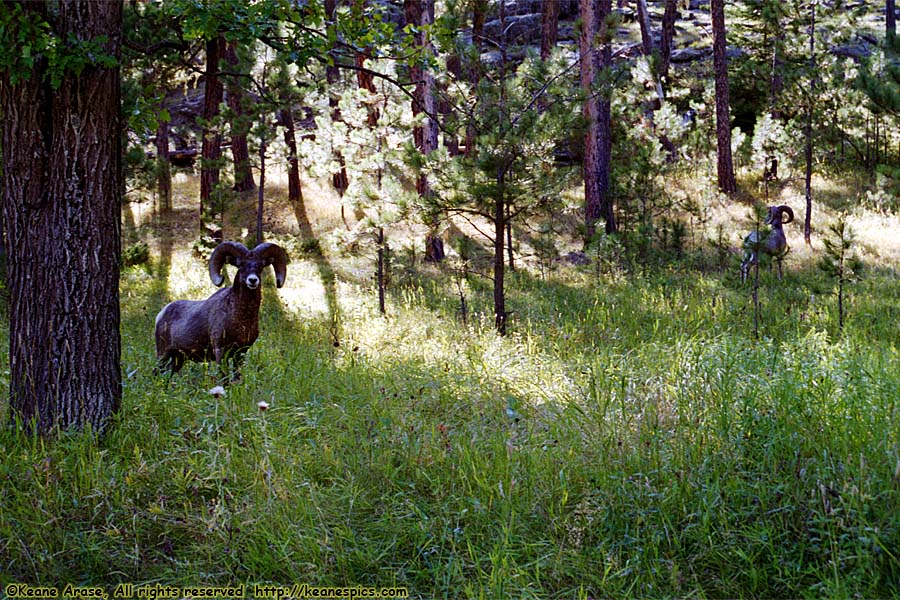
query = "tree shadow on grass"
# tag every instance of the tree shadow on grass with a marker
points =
(150, 281)
(325, 269)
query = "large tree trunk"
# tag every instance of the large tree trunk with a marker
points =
(62, 187)
(211, 150)
(240, 126)
(590, 110)
(725, 165)
(420, 14)
(295, 189)
(597, 113)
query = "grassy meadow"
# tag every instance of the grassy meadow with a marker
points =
(630, 437)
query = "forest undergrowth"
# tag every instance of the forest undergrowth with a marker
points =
(631, 437)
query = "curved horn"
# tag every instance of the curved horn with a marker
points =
(275, 256)
(220, 256)
(784, 208)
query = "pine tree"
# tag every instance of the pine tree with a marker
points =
(840, 262)
(510, 172)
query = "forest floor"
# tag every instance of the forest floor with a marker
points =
(631, 437)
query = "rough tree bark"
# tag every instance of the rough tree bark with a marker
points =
(420, 14)
(62, 186)
(240, 126)
(211, 149)
(725, 164)
(597, 113)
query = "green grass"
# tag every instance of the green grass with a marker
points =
(629, 438)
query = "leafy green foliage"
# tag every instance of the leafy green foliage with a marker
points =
(135, 254)
(27, 36)
(29, 41)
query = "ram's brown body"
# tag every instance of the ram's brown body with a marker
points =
(226, 324)
(773, 243)
(208, 329)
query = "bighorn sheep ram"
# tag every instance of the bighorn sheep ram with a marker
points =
(773, 243)
(226, 324)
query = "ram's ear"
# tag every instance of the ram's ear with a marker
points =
(225, 252)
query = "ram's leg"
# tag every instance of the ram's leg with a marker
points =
(236, 360)
(749, 261)
(221, 358)
(171, 362)
(780, 273)
(229, 363)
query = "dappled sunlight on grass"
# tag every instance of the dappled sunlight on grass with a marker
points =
(303, 291)
(189, 279)
(878, 237)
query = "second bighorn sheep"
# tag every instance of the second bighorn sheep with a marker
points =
(773, 243)
(226, 324)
